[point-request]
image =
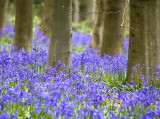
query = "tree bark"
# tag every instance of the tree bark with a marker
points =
(113, 35)
(3, 13)
(97, 34)
(60, 43)
(46, 18)
(12, 7)
(144, 39)
(153, 37)
(23, 25)
(91, 9)
(126, 20)
(76, 16)
(83, 10)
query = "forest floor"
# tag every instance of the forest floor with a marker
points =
(93, 90)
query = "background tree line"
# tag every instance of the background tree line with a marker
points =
(108, 20)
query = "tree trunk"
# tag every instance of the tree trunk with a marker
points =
(47, 18)
(12, 7)
(60, 43)
(3, 13)
(126, 20)
(91, 9)
(113, 35)
(23, 25)
(144, 39)
(153, 36)
(97, 34)
(76, 16)
(83, 10)
(86, 9)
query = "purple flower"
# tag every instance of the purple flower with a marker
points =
(4, 116)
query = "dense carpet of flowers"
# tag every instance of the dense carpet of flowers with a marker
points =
(93, 88)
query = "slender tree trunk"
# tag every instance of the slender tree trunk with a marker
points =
(113, 35)
(83, 10)
(60, 43)
(76, 16)
(144, 39)
(12, 7)
(91, 6)
(3, 13)
(126, 20)
(86, 7)
(47, 18)
(97, 34)
(41, 9)
(23, 25)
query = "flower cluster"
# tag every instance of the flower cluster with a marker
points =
(92, 90)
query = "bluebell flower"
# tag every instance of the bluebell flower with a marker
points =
(4, 116)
